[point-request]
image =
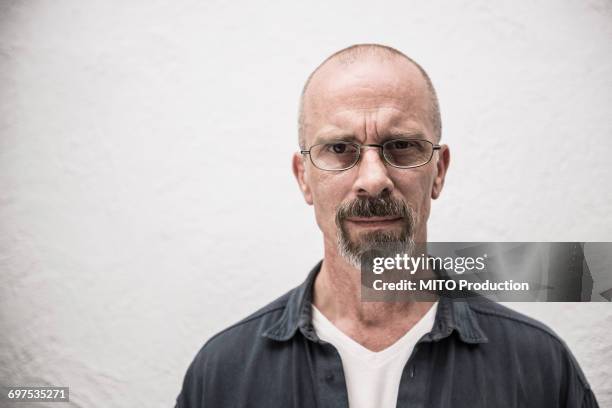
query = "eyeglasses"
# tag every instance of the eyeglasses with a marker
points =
(401, 153)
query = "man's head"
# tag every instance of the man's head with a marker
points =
(357, 52)
(369, 94)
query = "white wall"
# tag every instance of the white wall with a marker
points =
(146, 197)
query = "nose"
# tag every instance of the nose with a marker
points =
(373, 177)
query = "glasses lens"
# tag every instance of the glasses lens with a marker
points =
(334, 156)
(408, 153)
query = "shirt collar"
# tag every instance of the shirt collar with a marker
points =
(452, 315)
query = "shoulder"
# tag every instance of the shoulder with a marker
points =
(219, 361)
(526, 339)
(232, 343)
(492, 313)
(249, 328)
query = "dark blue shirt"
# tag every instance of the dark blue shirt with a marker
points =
(478, 354)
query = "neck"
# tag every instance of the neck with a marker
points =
(337, 294)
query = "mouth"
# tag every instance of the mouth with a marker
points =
(374, 222)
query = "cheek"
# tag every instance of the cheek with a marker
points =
(328, 192)
(415, 188)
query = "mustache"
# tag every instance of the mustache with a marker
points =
(383, 205)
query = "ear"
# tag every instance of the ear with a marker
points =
(441, 167)
(299, 171)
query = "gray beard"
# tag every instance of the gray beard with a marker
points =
(390, 243)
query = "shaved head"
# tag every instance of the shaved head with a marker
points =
(367, 52)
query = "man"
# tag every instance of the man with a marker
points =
(370, 163)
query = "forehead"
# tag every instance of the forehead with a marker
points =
(391, 92)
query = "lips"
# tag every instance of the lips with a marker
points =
(372, 221)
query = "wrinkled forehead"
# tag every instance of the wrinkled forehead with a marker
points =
(394, 90)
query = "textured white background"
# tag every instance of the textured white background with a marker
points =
(146, 198)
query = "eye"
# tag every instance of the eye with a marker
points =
(339, 148)
(400, 144)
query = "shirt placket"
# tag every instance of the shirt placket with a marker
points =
(415, 378)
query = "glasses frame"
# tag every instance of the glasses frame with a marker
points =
(382, 153)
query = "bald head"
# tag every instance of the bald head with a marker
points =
(330, 71)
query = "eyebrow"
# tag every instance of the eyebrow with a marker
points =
(409, 134)
(395, 134)
(336, 138)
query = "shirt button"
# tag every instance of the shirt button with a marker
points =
(329, 377)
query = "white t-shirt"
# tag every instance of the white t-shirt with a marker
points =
(372, 378)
